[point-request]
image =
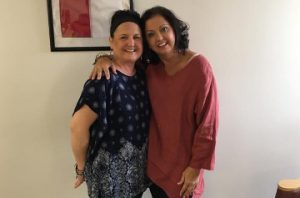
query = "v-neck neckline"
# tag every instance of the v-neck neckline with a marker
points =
(179, 71)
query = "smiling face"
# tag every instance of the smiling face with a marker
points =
(160, 35)
(126, 42)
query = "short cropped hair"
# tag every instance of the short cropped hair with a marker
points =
(122, 16)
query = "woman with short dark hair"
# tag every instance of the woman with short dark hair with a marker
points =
(109, 127)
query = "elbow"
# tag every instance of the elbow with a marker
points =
(79, 134)
(77, 128)
(73, 126)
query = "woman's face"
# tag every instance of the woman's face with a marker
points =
(160, 35)
(127, 42)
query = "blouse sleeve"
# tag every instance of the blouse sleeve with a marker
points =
(206, 113)
(93, 95)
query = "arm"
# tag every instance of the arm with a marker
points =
(102, 63)
(206, 111)
(203, 149)
(80, 124)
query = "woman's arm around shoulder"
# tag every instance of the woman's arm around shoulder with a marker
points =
(102, 64)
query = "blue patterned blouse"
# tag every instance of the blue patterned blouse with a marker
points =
(116, 157)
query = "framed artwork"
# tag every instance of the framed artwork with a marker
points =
(82, 25)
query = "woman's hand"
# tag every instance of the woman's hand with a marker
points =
(189, 180)
(103, 63)
(79, 180)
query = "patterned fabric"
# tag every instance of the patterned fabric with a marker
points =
(116, 157)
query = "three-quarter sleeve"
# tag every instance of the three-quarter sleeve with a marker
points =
(206, 114)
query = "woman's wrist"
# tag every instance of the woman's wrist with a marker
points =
(79, 170)
(80, 165)
(101, 55)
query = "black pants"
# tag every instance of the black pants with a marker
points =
(158, 192)
(139, 196)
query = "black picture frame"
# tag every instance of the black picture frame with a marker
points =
(59, 44)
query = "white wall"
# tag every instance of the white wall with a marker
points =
(254, 48)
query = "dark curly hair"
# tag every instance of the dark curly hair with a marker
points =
(179, 27)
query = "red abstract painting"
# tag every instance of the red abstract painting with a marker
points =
(75, 18)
